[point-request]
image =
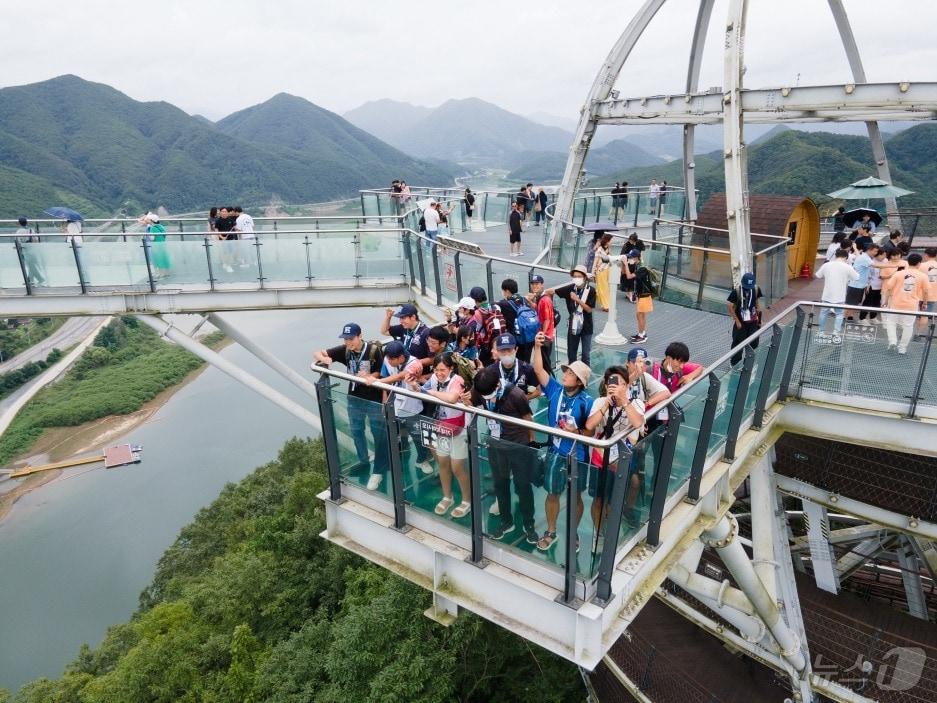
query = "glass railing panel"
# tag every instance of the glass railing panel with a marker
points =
(729, 377)
(758, 376)
(369, 204)
(284, 259)
(928, 394)
(234, 262)
(640, 488)
(332, 256)
(362, 439)
(381, 255)
(180, 262)
(119, 263)
(11, 275)
(692, 404)
(54, 260)
(787, 335)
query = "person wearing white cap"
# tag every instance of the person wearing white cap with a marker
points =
(569, 406)
(431, 220)
(156, 237)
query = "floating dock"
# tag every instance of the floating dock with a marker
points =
(113, 457)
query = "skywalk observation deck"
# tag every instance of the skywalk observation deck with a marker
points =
(722, 428)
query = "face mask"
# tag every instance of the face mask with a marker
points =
(507, 360)
(491, 396)
(579, 282)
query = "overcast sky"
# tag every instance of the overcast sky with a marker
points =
(214, 57)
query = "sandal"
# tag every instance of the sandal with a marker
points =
(442, 507)
(463, 509)
(547, 541)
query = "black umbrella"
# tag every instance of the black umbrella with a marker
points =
(851, 217)
(601, 227)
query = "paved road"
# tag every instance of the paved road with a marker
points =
(73, 331)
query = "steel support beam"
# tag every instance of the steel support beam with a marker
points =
(911, 577)
(846, 102)
(857, 557)
(600, 90)
(234, 371)
(703, 15)
(821, 552)
(759, 482)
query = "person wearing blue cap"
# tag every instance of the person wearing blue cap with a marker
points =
(411, 332)
(397, 367)
(744, 304)
(364, 360)
(512, 370)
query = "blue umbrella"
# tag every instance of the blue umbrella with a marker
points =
(64, 213)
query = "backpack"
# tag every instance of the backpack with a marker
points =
(465, 368)
(649, 279)
(526, 322)
(489, 330)
(421, 225)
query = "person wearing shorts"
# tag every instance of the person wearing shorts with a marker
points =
(569, 406)
(515, 222)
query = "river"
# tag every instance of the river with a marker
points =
(76, 553)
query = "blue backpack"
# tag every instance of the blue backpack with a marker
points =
(526, 322)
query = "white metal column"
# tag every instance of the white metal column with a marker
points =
(736, 161)
(821, 552)
(703, 15)
(911, 576)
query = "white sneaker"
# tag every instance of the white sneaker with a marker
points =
(375, 482)
(424, 466)
(494, 509)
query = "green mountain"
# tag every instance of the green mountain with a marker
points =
(350, 155)
(612, 157)
(89, 140)
(812, 164)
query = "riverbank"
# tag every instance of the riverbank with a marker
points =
(60, 443)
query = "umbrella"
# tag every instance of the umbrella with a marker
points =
(868, 189)
(600, 227)
(64, 213)
(851, 217)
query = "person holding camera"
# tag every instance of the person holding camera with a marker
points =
(569, 406)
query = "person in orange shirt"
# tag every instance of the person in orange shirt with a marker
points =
(929, 267)
(906, 291)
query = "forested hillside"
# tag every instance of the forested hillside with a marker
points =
(250, 604)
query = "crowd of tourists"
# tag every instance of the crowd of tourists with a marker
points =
(499, 356)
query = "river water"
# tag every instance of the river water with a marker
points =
(76, 553)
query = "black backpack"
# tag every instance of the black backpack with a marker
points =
(421, 226)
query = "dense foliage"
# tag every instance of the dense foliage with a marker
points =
(68, 137)
(250, 604)
(12, 380)
(812, 164)
(127, 366)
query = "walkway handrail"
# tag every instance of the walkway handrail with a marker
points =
(259, 234)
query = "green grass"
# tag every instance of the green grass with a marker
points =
(127, 366)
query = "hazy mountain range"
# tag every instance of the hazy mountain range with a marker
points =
(68, 141)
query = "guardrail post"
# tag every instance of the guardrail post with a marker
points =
(702, 278)
(702, 440)
(408, 252)
(637, 207)
(392, 438)
(489, 280)
(485, 210)
(616, 509)
(662, 475)
(663, 274)
(81, 271)
(329, 438)
(916, 393)
(260, 265)
(475, 483)
(654, 230)
(147, 256)
(456, 259)
(380, 219)
(784, 389)
(767, 373)
(309, 275)
(436, 279)
(420, 246)
(211, 272)
(22, 260)
(364, 213)
(572, 523)
(123, 230)
(738, 404)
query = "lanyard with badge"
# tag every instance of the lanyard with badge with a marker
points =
(609, 431)
(745, 309)
(356, 364)
(494, 427)
(563, 407)
(505, 379)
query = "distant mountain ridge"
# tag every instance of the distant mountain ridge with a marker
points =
(87, 143)
(614, 156)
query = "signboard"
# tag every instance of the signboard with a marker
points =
(829, 339)
(860, 333)
(460, 245)
(435, 435)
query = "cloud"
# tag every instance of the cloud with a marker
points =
(213, 57)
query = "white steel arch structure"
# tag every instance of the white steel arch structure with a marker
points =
(856, 101)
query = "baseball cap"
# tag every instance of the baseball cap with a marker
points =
(505, 341)
(467, 302)
(748, 281)
(23, 221)
(350, 331)
(536, 279)
(580, 369)
(637, 354)
(478, 294)
(393, 349)
(406, 311)
(633, 254)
